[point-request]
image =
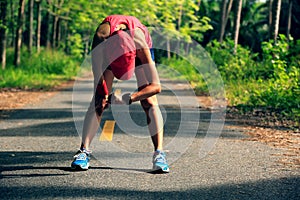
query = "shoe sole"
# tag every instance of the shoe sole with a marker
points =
(160, 170)
(79, 168)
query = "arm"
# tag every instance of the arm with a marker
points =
(151, 85)
(100, 88)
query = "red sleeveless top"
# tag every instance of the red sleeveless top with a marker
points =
(130, 22)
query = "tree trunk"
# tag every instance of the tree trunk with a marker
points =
(3, 8)
(228, 11)
(11, 24)
(54, 31)
(289, 20)
(270, 17)
(237, 23)
(178, 26)
(38, 28)
(222, 20)
(58, 32)
(66, 36)
(30, 31)
(276, 18)
(19, 31)
(225, 10)
(168, 48)
(48, 21)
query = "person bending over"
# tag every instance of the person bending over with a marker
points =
(122, 46)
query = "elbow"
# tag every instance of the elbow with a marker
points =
(157, 89)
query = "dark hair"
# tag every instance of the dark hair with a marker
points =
(96, 40)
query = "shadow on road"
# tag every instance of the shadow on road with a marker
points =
(52, 129)
(27, 165)
(41, 114)
(277, 189)
(11, 161)
(60, 123)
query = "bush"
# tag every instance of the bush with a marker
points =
(232, 66)
(182, 69)
(272, 82)
(283, 89)
(38, 70)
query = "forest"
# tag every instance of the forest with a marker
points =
(255, 44)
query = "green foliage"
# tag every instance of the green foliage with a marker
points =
(198, 69)
(76, 47)
(270, 79)
(233, 66)
(178, 20)
(271, 82)
(182, 68)
(42, 70)
(283, 89)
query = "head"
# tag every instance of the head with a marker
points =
(102, 33)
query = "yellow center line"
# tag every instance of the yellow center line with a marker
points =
(108, 131)
(109, 125)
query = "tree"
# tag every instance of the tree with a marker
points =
(54, 26)
(270, 16)
(275, 19)
(38, 27)
(237, 23)
(225, 10)
(47, 25)
(30, 31)
(11, 24)
(19, 31)
(179, 22)
(289, 18)
(3, 8)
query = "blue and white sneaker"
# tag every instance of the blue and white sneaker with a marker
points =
(81, 160)
(160, 162)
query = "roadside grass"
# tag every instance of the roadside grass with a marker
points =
(244, 93)
(42, 70)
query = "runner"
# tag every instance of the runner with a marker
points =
(125, 48)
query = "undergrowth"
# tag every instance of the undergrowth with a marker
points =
(270, 80)
(38, 70)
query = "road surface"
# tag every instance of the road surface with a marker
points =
(38, 143)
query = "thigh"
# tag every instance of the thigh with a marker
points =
(99, 100)
(109, 78)
(141, 77)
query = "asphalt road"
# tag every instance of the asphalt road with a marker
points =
(37, 144)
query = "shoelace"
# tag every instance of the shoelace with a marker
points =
(159, 158)
(81, 156)
(80, 152)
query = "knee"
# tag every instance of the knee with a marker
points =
(95, 106)
(147, 104)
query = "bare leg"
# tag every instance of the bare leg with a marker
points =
(93, 118)
(154, 120)
(152, 110)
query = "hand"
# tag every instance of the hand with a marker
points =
(126, 98)
(113, 99)
(100, 104)
(110, 98)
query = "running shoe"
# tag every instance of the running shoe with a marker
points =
(160, 162)
(81, 160)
